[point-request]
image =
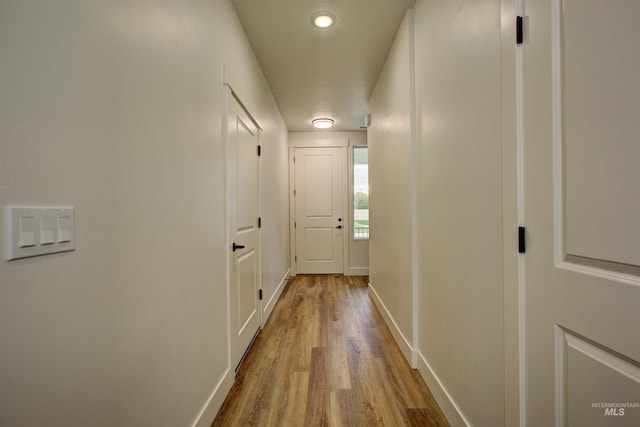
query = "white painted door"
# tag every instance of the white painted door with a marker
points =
(581, 207)
(242, 182)
(319, 224)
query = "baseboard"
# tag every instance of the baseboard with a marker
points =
(447, 404)
(215, 401)
(406, 348)
(357, 271)
(271, 303)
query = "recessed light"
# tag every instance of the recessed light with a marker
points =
(322, 123)
(323, 19)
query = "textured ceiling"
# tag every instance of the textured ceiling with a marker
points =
(322, 72)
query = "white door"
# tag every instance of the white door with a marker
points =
(319, 224)
(242, 187)
(581, 198)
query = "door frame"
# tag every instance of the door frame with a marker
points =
(512, 214)
(517, 342)
(228, 95)
(322, 141)
(350, 269)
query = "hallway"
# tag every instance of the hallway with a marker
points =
(326, 357)
(503, 258)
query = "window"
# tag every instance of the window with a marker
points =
(360, 193)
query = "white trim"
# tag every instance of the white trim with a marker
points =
(560, 374)
(521, 215)
(214, 402)
(227, 94)
(356, 271)
(322, 139)
(449, 407)
(510, 220)
(407, 350)
(259, 173)
(320, 143)
(267, 308)
(557, 130)
(627, 279)
(292, 213)
(415, 260)
(346, 210)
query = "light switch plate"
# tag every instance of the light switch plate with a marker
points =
(32, 231)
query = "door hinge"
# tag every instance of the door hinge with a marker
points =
(294, 159)
(259, 222)
(259, 150)
(522, 246)
(519, 30)
(294, 192)
(295, 225)
(295, 258)
(260, 294)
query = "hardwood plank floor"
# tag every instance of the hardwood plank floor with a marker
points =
(326, 358)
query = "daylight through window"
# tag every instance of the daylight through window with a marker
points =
(360, 193)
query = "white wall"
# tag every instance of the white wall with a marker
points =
(460, 205)
(357, 253)
(115, 107)
(391, 197)
(457, 324)
(274, 209)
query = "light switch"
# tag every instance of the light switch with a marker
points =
(27, 232)
(47, 230)
(64, 229)
(32, 231)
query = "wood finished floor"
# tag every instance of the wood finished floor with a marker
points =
(326, 358)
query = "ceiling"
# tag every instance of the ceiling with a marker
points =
(317, 72)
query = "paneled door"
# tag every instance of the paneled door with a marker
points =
(242, 199)
(580, 144)
(319, 223)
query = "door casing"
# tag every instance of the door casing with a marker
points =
(568, 337)
(343, 143)
(231, 97)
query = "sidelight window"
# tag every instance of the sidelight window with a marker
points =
(360, 193)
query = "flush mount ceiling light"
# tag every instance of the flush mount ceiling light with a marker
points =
(323, 123)
(323, 19)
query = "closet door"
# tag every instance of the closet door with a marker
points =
(580, 141)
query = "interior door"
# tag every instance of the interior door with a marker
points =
(320, 225)
(242, 182)
(581, 204)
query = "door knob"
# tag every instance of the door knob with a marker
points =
(237, 246)
(339, 227)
